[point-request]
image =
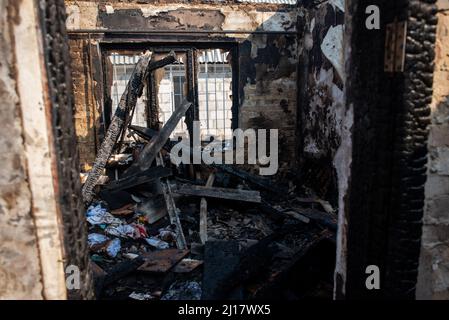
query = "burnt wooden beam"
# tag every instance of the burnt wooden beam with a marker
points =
(122, 269)
(302, 214)
(169, 59)
(150, 151)
(148, 134)
(203, 210)
(173, 211)
(220, 193)
(133, 181)
(255, 180)
(126, 105)
(323, 218)
(145, 133)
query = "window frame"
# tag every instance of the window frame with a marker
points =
(192, 70)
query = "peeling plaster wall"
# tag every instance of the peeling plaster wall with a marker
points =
(325, 136)
(433, 281)
(31, 248)
(321, 92)
(267, 62)
(20, 275)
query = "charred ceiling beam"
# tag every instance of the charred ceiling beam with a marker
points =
(132, 32)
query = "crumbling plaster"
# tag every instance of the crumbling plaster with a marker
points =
(31, 251)
(326, 121)
(322, 106)
(19, 257)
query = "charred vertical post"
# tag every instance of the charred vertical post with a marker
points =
(127, 103)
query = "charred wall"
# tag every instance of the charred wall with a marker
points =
(388, 170)
(57, 58)
(266, 62)
(321, 93)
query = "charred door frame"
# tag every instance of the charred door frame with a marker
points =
(190, 50)
(388, 171)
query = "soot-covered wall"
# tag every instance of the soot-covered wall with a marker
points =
(267, 62)
(323, 117)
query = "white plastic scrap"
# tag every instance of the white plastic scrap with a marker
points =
(96, 238)
(113, 248)
(123, 231)
(156, 243)
(141, 296)
(98, 215)
(131, 256)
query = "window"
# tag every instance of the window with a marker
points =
(122, 68)
(171, 91)
(212, 87)
(214, 94)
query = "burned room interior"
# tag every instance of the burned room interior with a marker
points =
(224, 149)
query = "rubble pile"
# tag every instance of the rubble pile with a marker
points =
(161, 231)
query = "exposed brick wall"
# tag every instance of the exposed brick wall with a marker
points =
(434, 265)
(85, 113)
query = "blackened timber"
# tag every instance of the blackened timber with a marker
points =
(133, 181)
(173, 211)
(148, 134)
(255, 180)
(220, 193)
(127, 103)
(144, 133)
(122, 269)
(203, 210)
(325, 219)
(151, 150)
(125, 107)
(169, 59)
(318, 217)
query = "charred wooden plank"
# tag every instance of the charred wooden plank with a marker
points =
(148, 134)
(162, 261)
(187, 265)
(173, 211)
(253, 179)
(127, 103)
(203, 210)
(98, 275)
(325, 219)
(169, 59)
(122, 269)
(143, 132)
(220, 193)
(138, 179)
(149, 153)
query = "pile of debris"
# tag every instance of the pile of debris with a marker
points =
(160, 231)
